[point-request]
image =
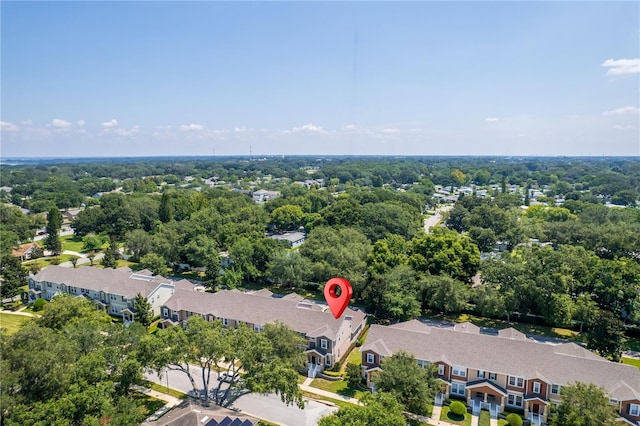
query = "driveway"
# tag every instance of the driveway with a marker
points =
(268, 407)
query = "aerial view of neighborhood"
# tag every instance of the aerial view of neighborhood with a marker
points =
(320, 213)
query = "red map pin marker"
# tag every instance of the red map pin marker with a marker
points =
(338, 304)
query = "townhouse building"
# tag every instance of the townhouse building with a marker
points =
(506, 370)
(112, 290)
(328, 338)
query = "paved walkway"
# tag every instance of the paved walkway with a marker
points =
(19, 312)
(474, 420)
(306, 386)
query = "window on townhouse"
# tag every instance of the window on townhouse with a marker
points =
(423, 364)
(457, 388)
(257, 328)
(165, 312)
(49, 285)
(536, 387)
(481, 374)
(514, 400)
(441, 369)
(555, 389)
(516, 381)
(371, 359)
(327, 361)
(323, 343)
(112, 297)
(634, 409)
(124, 299)
(225, 321)
(613, 401)
(493, 376)
(459, 371)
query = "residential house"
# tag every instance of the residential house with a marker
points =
(112, 290)
(25, 251)
(328, 338)
(70, 215)
(188, 414)
(501, 371)
(293, 239)
(261, 196)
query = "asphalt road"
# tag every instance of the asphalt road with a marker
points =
(267, 407)
(437, 217)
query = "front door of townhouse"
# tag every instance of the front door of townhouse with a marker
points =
(536, 409)
(313, 359)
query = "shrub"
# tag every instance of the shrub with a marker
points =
(38, 305)
(352, 375)
(55, 261)
(514, 420)
(458, 408)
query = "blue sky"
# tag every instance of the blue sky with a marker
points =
(397, 78)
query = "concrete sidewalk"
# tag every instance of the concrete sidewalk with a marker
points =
(306, 386)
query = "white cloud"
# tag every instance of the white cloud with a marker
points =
(112, 123)
(350, 127)
(7, 126)
(240, 129)
(629, 109)
(618, 127)
(307, 128)
(124, 132)
(390, 131)
(491, 119)
(26, 122)
(192, 127)
(80, 123)
(622, 66)
(59, 123)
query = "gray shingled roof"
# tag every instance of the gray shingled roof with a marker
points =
(262, 307)
(558, 364)
(112, 281)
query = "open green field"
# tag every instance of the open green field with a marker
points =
(72, 243)
(12, 322)
(43, 262)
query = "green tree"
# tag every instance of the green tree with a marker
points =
(143, 310)
(266, 367)
(393, 295)
(91, 255)
(91, 243)
(445, 252)
(380, 409)
(287, 217)
(288, 268)
(74, 261)
(411, 385)
(153, 262)
(54, 223)
(13, 274)
(139, 243)
(444, 293)
(606, 336)
(585, 405)
(353, 375)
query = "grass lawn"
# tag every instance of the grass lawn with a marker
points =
(163, 389)
(71, 243)
(339, 386)
(46, 261)
(149, 404)
(445, 416)
(355, 357)
(631, 361)
(12, 322)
